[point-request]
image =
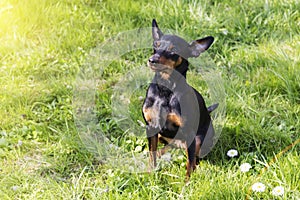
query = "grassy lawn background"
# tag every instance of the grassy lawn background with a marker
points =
(44, 44)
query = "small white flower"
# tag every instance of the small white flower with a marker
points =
(106, 189)
(141, 98)
(225, 31)
(138, 148)
(245, 167)
(3, 133)
(15, 188)
(278, 191)
(258, 187)
(232, 153)
(19, 143)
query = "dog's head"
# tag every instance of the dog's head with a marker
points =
(171, 50)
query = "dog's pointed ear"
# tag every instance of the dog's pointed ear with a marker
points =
(156, 32)
(199, 46)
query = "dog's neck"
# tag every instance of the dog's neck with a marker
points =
(183, 67)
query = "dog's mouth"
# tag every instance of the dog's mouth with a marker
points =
(157, 67)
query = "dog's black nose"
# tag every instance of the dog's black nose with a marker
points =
(151, 60)
(154, 59)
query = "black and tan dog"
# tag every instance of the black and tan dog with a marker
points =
(173, 110)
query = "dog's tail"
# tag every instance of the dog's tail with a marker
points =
(212, 107)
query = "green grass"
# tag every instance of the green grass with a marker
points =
(44, 44)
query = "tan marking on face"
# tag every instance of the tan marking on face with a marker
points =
(169, 65)
(175, 119)
(167, 62)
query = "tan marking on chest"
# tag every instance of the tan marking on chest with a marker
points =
(148, 114)
(175, 119)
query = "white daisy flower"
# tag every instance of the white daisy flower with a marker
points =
(258, 187)
(141, 98)
(138, 148)
(245, 167)
(232, 153)
(278, 191)
(15, 188)
(19, 143)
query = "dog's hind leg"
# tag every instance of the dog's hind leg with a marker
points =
(198, 149)
(191, 162)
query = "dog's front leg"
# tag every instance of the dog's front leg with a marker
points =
(152, 142)
(191, 161)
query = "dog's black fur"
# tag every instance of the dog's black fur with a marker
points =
(173, 110)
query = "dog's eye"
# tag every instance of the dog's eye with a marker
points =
(172, 55)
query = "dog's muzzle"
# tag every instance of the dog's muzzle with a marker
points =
(154, 64)
(154, 59)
